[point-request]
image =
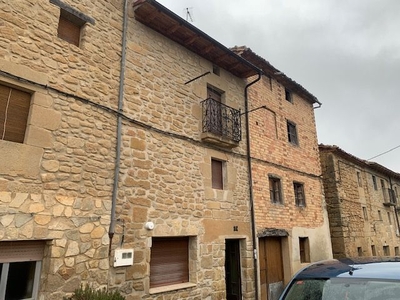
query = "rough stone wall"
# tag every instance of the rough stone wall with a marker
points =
(166, 169)
(353, 233)
(274, 155)
(57, 185)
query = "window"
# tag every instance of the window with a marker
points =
(169, 261)
(379, 215)
(389, 218)
(396, 251)
(374, 182)
(373, 249)
(365, 213)
(70, 23)
(359, 179)
(20, 266)
(288, 95)
(386, 251)
(275, 190)
(304, 247)
(217, 176)
(216, 70)
(292, 133)
(14, 111)
(299, 194)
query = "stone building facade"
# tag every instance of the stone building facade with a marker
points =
(362, 204)
(291, 220)
(133, 149)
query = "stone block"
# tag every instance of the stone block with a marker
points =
(44, 117)
(39, 137)
(20, 159)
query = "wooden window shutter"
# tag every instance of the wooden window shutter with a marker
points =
(217, 174)
(69, 28)
(169, 263)
(18, 251)
(14, 111)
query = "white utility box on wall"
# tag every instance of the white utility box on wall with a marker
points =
(123, 257)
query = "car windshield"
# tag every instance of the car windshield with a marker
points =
(343, 289)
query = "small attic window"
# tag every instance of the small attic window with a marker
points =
(70, 23)
(216, 70)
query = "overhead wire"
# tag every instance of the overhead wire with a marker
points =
(390, 150)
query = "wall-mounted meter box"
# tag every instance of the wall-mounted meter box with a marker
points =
(123, 257)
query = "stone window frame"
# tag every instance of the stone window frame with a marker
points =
(71, 23)
(25, 158)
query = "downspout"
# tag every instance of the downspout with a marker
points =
(253, 222)
(111, 230)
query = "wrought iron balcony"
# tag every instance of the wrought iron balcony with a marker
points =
(389, 197)
(221, 124)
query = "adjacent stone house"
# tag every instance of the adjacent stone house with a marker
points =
(291, 220)
(124, 155)
(362, 201)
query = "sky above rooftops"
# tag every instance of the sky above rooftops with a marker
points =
(346, 53)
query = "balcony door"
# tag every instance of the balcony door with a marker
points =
(216, 110)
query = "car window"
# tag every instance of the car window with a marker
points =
(343, 288)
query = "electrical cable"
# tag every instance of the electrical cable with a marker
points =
(390, 150)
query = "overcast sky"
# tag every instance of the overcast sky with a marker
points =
(346, 53)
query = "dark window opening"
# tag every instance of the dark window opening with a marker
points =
(292, 133)
(374, 182)
(288, 95)
(365, 213)
(299, 197)
(304, 250)
(216, 70)
(275, 190)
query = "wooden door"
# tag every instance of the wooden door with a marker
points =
(233, 270)
(271, 267)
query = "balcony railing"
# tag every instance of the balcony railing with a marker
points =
(389, 197)
(221, 123)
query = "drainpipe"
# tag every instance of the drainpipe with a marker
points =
(253, 222)
(111, 230)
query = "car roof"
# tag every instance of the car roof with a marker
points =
(360, 267)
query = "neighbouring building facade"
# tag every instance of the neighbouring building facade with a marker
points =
(362, 199)
(123, 154)
(291, 220)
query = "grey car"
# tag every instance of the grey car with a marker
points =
(347, 279)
